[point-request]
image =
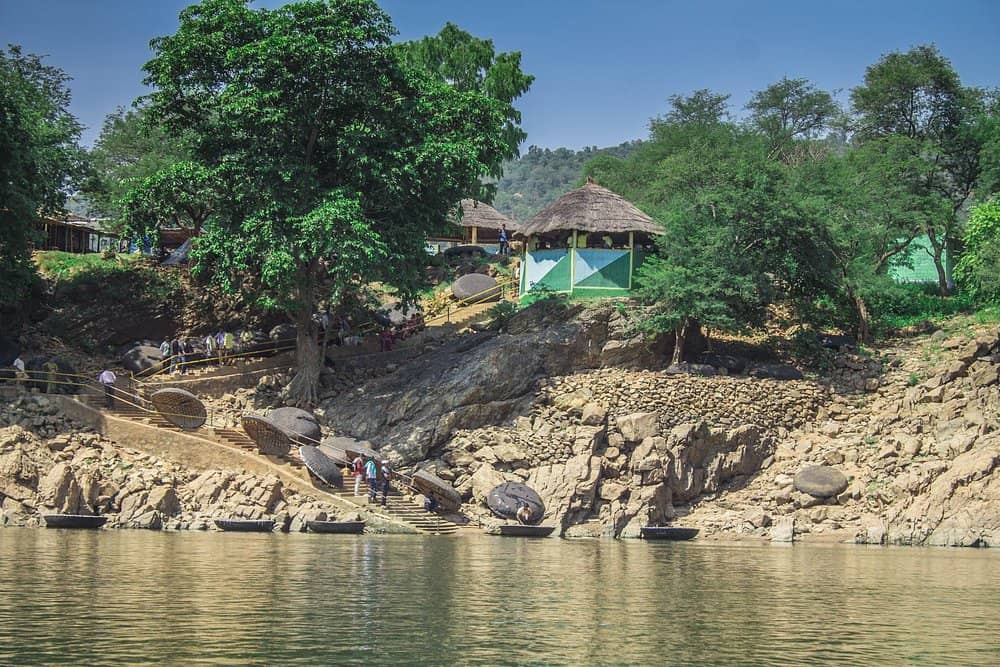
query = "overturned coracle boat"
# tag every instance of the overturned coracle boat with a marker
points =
(431, 485)
(322, 466)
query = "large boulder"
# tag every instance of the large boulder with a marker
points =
(476, 285)
(142, 358)
(776, 372)
(299, 424)
(282, 332)
(820, 481)
(9, 351)
(64, 378)
(464, 251)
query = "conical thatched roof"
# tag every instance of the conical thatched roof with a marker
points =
(477, 214)
(590, 209)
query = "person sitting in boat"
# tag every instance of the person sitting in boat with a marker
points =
(524, 514)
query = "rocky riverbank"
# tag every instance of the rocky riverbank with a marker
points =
(48, 464)
(912, 434)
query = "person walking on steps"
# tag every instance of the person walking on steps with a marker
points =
(371, 472)
(358, 466)
(108, 379)
(386, 478)
(228, 345)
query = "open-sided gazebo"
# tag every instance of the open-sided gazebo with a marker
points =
(589, 242)
(481, 223)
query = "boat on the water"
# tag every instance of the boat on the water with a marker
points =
(667, 533)
(74, 521)
(245, 525)
(336, 527)
(520, 530)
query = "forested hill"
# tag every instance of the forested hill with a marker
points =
(541, 175)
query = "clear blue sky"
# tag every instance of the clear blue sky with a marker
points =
(603, 68)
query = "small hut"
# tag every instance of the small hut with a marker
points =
(481, 224)
(589, 242)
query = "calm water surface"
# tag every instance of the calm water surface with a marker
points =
(131, 597)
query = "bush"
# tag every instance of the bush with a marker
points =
(501, 313)
(978, 270)
(905, 305)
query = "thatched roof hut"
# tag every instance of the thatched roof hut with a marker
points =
(591, 208)
(477, 214)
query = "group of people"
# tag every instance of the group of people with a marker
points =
(379, 478)
(221, 346)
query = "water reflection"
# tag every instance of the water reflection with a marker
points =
(132, 597)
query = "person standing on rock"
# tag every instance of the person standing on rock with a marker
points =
(108, 379)
(371, 473)
(357, 465)
(386, 478)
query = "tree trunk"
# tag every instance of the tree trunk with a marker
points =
(304, 387)
(864, 317)
(680, 338)
(942, 275)
(937, 256)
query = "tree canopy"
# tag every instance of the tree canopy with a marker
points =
(38, 156)
(333, 157)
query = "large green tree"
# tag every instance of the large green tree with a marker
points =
(918, 95)
(867, 211)
(38, 156)
(131, 148)
(729, 227)
(790, 111)
(334, 159)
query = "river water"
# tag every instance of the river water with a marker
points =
(131, 597)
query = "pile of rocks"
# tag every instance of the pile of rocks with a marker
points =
(77, 471)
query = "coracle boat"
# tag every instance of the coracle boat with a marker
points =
(667, 533)
(245, 525)
(82, 521)
(336, 527)
(520, 530)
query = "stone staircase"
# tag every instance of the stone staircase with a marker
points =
(399, 507)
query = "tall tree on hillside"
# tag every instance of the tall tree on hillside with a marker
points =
(38, 155)
(919, 96)
(791, 110)
(729, 228)
(130, 148)
(334, 158)
(868, 213)
(701, 107)
(472, 65)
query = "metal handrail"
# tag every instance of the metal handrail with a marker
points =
(476, 299)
